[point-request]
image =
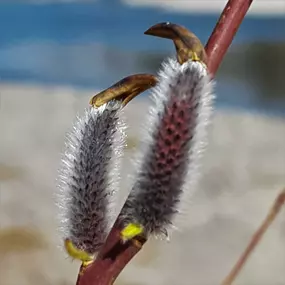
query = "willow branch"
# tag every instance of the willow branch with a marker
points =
(256, 238)
(224, 32)
(111, 260)
(114, 255)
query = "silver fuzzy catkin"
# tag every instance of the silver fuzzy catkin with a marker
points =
(89, 176)
(173, 141)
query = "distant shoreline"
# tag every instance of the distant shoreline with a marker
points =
(81, 91)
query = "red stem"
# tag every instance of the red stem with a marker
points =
(115, 255)
(224, 32)
(111, 260)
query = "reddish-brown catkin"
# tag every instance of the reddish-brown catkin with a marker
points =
(172, 144)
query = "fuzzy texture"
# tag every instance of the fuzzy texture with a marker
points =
(174, 138)
(89, 176)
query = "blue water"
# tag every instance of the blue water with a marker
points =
(93, 45)
(113, 23)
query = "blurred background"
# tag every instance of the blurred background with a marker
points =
(55, 55)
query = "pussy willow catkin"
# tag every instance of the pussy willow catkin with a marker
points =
(172, 143)
(89, 176)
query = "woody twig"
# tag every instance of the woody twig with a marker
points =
(256, 238)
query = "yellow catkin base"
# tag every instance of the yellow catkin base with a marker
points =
(78, 254)
(130, 231)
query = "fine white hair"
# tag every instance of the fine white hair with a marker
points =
(173, 141)
(89, 176)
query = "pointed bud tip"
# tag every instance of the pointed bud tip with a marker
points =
(157, 29)
(124, 90)
(187, 44)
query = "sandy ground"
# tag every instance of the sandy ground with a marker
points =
(259, 7)
(244, 169)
